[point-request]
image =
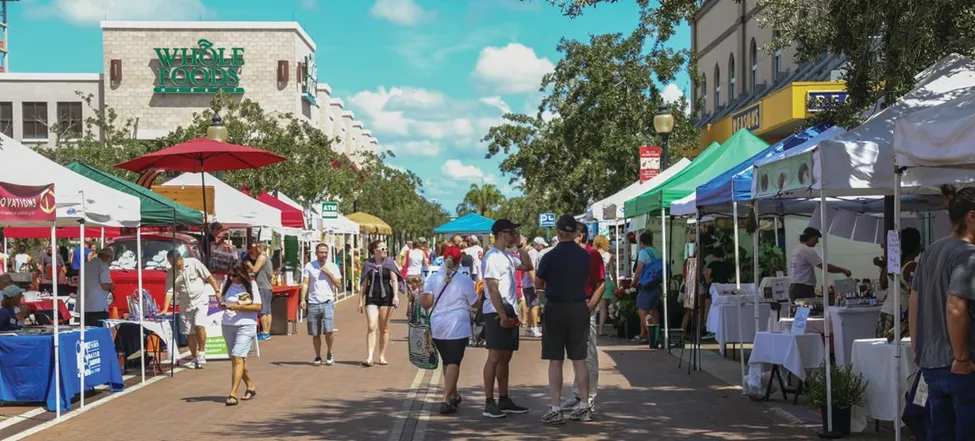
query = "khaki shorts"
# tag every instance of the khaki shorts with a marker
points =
(191, 318)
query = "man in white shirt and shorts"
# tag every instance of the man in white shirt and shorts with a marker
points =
(191, 278)
(501, 323)
(319, 280)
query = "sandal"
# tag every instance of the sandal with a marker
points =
(383, 362)
(249, 394)
(366, 364)
(231, 401)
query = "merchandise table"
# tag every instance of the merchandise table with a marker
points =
(47, 304)
(27, 366)
(723, 322)
(162, 328)
(849, 324)
(874, 358)
(814, 325)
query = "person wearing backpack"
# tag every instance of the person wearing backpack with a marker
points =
(649, 277)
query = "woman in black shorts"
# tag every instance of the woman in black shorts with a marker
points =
(379, 295)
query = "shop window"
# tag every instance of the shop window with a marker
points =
(717, 86)
(704, 92)
(70, 121)
(731, 78)
(7, 119)
(776, 61)
(754, 56)
(35, 121)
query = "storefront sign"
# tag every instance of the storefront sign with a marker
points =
(330, 210)
(309, 86)
(792, 173)
(750, 118)
(26, 203)
(649, 162)
(816, 101)
(203, 69)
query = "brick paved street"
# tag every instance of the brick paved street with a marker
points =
(643, 395)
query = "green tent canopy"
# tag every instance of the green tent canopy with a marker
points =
(157, 210)
(716, 159)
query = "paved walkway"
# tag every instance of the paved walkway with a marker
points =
(643, 395)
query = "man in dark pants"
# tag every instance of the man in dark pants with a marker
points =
(562, 275)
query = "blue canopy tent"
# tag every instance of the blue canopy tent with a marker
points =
(471, 223)
(735, 185)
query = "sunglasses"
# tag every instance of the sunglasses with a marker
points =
(381, 250)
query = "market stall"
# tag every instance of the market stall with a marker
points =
(470, 223)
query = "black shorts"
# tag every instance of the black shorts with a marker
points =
(451, 351)
(800, 291)
(499, 338)
(531, 297)
(379, 301)
(565, 331)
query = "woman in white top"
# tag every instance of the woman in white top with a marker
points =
(802, 268)
(241, 303)
(416, 260)
(449, 295)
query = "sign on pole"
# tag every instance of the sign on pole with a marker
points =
(546, 220)
(330, 210)
(649, 162)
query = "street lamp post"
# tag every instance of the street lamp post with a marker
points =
(663, 123)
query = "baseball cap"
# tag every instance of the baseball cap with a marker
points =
(473, 239)
(454, 253)
(503, 225)
(421, 240)
(567, 224)
(12, 291)
(539, 241)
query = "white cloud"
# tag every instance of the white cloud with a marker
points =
(422, 148)
(454, 169)
(514, 68)
(672, 93)
(428, 51)
(401, 12)
(94, 11)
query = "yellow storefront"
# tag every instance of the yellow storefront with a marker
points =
(778, 114)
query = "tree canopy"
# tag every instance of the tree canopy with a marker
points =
(484, 199)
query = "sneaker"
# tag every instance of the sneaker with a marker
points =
(447, 408)
(581, 414)
(329, 359)
(636, 339)
(263, 337)
(553, 417)
(202, 358)
(197, 364)
(455, 401)
(538, 331)
(508, 406)
(491, 410)
(571, 404)
(317, 362)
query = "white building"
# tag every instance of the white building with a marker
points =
(160, 73)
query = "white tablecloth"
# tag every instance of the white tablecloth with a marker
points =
(851, 324)
(162, 328)
(815, 325)
(796, 353)
(874, 358)
(723, 322)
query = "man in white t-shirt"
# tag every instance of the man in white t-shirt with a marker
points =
(803, 264)
(188, 282)
(528, 287)
(319, 279)
(476, 253)
(500, 319)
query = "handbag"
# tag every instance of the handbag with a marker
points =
(423, 353)
(915, 417)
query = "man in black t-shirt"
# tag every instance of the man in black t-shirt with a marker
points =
(719, 270)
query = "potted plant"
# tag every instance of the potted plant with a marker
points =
(624, 314)
(848, 391)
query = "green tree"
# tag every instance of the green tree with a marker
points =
(525, 210)
(484, 199)
(603, 95)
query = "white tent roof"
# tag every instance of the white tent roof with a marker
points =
(941, 136)
(76, 197)
(341, 225)
(232, 208)
(634, 190)
(684, 207)
(861, 161)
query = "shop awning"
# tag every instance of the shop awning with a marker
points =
(291, 217)
(710, 163)
(471, 223)
(370, 224)
(156, 209)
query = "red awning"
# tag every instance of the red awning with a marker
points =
(291, 217)
(62, 233)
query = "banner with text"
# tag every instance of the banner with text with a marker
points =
(649, 162)
(26, 203)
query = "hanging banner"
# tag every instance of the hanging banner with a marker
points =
(27, 203)
(690, 297)
(789, 174)
(649, 162)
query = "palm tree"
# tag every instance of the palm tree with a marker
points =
(484, 199)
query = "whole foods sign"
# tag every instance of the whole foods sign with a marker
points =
(27, 203)
(202, 69)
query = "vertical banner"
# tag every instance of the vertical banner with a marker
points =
(27, 203)
(649, 162)
(690, 284)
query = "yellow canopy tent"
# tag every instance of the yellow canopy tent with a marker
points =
(370, 224)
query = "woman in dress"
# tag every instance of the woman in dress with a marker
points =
(601, 244)
(377, 298)
(241, 303)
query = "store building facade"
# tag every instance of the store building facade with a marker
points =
(160, 73)
(744, 86)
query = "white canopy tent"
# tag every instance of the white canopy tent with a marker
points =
(634, 190)
(232, 208)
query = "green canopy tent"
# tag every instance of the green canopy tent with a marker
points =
(157, 210)
(715, 160)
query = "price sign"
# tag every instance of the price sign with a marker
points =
(799, 322)
(893, 252)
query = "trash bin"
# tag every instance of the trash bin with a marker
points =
(279, 315)
(654, 333)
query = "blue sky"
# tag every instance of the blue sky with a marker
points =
(427, 77)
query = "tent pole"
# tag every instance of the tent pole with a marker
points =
(666, 280)
(102, 244)
(755, 270)
(57, 318)
(829, 377)
(698, 298)
(172, 272)
(741, 339)
(142, 312)
(897, 301)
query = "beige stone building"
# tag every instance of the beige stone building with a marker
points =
(161, 73)
(744, 86)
